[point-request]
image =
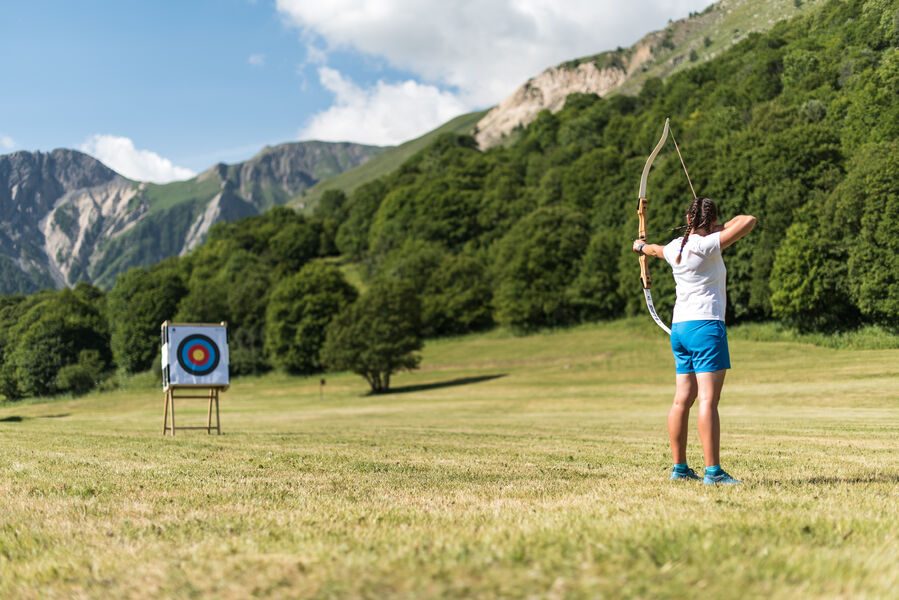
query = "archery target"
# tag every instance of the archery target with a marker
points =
(194, 354)
(198, 354)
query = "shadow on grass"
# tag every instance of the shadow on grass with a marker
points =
(424, 387)
(19, 418)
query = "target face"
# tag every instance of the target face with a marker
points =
(198, 355)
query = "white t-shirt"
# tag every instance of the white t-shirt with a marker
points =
(700, 277)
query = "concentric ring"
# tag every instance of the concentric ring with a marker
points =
(198, 355)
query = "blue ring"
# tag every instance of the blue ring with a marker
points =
(213, 355)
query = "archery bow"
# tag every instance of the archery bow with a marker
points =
(642, 201)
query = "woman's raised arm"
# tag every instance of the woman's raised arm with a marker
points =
(736, 228)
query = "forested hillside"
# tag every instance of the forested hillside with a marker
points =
(797, 126)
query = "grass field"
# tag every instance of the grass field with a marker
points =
(506, 467)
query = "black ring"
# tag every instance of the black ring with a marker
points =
(215, 358)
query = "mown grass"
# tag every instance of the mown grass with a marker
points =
(507, 466)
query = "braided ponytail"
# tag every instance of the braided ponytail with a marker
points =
(701, 214)
(691, 218)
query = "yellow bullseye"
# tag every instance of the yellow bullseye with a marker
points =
(198, 355)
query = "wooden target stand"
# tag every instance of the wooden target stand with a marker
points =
(209, 393)
(192, 393)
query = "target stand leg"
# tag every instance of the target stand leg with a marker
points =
(172, 408)
(165, 414)
(218, 421)
(209, 412)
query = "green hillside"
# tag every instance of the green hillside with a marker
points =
(385, 162)
(704, 35)
(507, 467)
(797, 126)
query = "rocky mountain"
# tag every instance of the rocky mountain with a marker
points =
(65, 217)
(681, 44)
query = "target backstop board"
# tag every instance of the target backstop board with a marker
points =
(194, 355)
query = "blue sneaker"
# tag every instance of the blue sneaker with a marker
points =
(721, 478)
(681, 475)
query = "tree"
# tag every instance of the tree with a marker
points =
(376, 336)
(352, 237)
(594, 293)
(54, 333)
(808, 282)
(236, 292)
(299, 311)
(868, 208)
(332, 210)
(457, 297)
(82, 376)
(137, 305)
(534, 264)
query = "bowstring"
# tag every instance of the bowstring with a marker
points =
(683, 164)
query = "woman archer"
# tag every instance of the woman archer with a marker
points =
(698, 336)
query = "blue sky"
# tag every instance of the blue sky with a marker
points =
(185, 84)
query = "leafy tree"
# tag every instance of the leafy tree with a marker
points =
(442, 206)
(808, 283)
(332, 210)
(138, 304)
(300, 309)
(236, 292)
(282, 238)
(378, 335)
(333, 205)
(534, 264)
(457, 297)
(868, 206)
(52, 334)
(455, 289)
(594, 293)
(352, 237)
(83, 376)
(414, 262)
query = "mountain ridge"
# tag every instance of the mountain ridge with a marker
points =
(682, 43)
(66, 217)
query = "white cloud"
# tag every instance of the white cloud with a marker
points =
(119, 154)
(482, 48)
(387, 113)
(256, 60)
(7, 143)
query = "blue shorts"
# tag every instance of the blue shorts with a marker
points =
(699, 346)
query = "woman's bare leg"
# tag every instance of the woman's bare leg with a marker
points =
(710, 385)
(679, 415)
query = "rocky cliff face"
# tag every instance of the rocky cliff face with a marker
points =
(599, 75)
(659, 54)
(48, 191)
(65, 217)
(546, 91)
(80, 219)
